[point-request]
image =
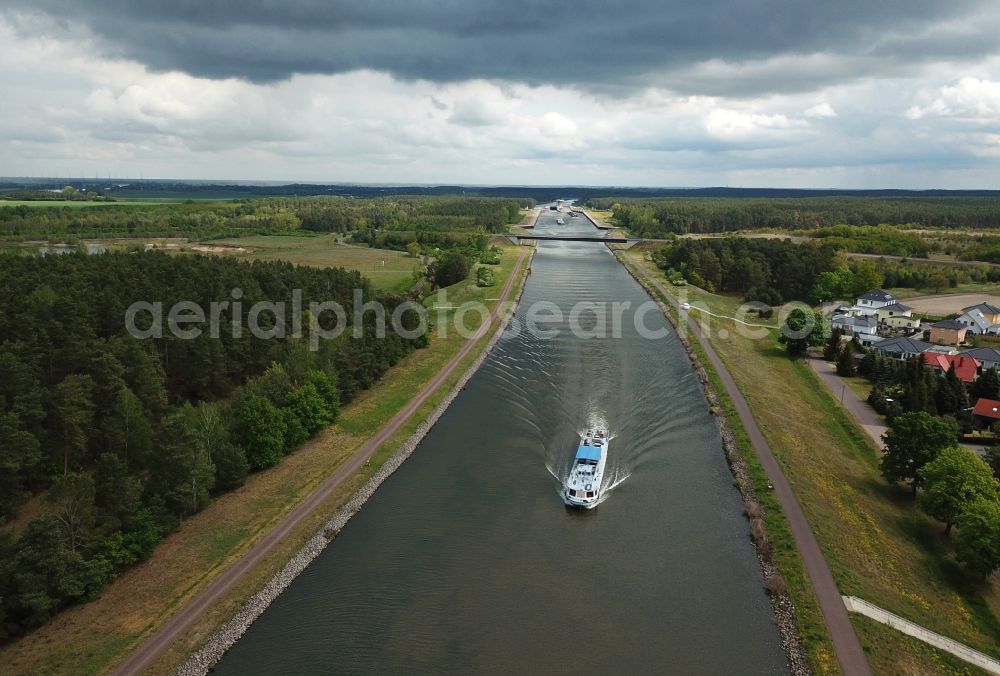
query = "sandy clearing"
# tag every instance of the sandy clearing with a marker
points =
(205, 248)
(949, 303)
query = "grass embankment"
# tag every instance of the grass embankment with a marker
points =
(902, 654)
(93, 637)
(528, 217)
(879, 545)
(808, 618)
(604, 217)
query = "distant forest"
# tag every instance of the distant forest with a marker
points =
(126, 437)
(767, 270)
(662, 217)
(243, 190)
(774, 271)
(206, 219)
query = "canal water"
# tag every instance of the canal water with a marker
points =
(466, 561)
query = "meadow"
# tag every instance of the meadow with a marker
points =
(388, 269)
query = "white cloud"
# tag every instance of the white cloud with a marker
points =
(822, 109)
(735, 124)
(557, 125)
(971, 99)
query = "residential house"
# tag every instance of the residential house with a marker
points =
(893, 310)
(901, 347)
(989, 357)
(943, 349)
(855, 325)
(868, 339)
(897, 317)
(948, 332)
(966, 368)
(871, 302)
(905, 323)
(986, 412)
(977, 322)
(991, 312)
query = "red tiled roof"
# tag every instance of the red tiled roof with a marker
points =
(966, 368)
(987, 408)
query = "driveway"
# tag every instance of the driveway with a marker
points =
(865, 415)
(861, 410)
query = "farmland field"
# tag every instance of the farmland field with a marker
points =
(946, 304)
(391, 270)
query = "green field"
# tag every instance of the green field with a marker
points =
(390, 270)
(73, 204)
(119, 201)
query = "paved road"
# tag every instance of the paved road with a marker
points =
(850, 655)
(157, 644)
(863, 413)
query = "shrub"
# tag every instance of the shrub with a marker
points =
(450, 269)
(485, 277)
(753, 511)
(491, 256)
(775, 585)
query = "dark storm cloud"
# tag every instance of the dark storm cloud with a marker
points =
(597, 43)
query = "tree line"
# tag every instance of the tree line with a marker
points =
(206, 220)
(954, 485)
(774, 271)
(659, 217)
(123, 438)
(927, 409)
(769, 270)
(875, 239)
(905, 387)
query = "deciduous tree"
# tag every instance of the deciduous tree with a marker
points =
(181, 473)
(260, 430)
(952, 482)
(70, 501)
(912, 440)
(978, 542)
(802, 331)
(452, 267)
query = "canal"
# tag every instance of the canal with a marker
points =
(467, 561)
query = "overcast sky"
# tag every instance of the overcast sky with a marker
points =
(785, 93)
